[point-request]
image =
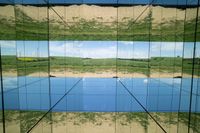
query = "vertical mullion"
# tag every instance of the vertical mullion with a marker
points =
(48, 56)
(193, 64)
(116, 67)
(2, 93)
(179, 108)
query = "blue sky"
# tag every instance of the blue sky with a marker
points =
(165, 2)
(98, 49)
(32, 48)
(110, 49)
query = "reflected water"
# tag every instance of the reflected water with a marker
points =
(100, 105)
(150, 92)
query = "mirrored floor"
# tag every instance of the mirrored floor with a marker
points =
(105, 105)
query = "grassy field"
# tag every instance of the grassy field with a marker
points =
(28, 65)
(26, 28)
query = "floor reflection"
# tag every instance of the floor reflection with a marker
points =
(100, 122)
(104, 122)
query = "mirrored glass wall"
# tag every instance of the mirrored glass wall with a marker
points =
(106, 66)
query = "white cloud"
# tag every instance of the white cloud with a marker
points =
(8, 47)
(56, 48)
(166, 46)
(79, 49)
(126, 42)
(135, 54)
(102, 52)
(140, 55)
(197, 49)
(108, 49)
(8, 44)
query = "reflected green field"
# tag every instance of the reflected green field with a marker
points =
(84, 65)
(145, 29)
(101, 122)
(32, 30)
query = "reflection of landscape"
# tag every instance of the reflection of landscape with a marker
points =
(100, 122)
(99, 58)
(106, 66)
(91, 22)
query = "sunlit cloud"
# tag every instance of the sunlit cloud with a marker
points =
(114, 49)
(8, 47)
(8, 44)
(166, 46)
(85, 49)
(127, 42)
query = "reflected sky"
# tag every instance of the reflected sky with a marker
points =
(8, 47)
(113, 49)
(99, 49)
(88, 91)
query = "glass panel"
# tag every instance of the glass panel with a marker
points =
(1, 108)
(10, 90)
(9, 103)
(195, 103)
(7, 21)
(44, 125)
(188, 79)
(32, 63)
(131, 114)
